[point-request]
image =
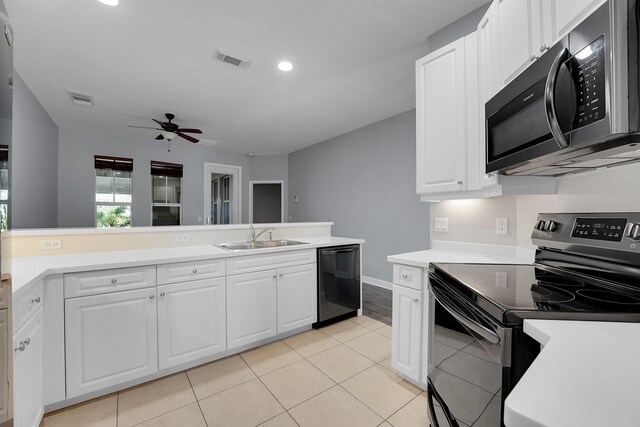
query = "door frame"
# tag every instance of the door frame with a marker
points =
(236, 190)
(266, 181)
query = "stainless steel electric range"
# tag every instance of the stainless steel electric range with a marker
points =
(587, 267)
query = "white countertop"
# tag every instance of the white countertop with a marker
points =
(587, 374)
(26, 271)
(443, 251)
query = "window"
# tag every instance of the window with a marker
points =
(113, 191)
(4, 186)
(167, 193)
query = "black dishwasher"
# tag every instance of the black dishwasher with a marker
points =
(338, 283)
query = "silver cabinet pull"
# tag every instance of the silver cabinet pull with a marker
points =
(162, 294)
(195, 270)
(415, 300)
(489, 175)
(543, 47)
(274, 276)
(114, 281)
(36, 300)
(281, 274)
(152, 296)
(459, 182)
(27, 341)
(21, 347)
(533, 57)
(405, 276)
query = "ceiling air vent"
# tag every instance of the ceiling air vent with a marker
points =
(81, 98)
(221, 56)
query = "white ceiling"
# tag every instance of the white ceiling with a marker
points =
(353, 59)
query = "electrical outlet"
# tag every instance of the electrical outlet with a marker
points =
(441, 224)
(50, 244)
(295, 200)
(501, 279)
(502, 226)
(324, 231)
(199, 220)
(182, 237)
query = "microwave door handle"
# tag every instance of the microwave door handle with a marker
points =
(550, 99)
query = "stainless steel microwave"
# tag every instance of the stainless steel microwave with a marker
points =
(577, 107)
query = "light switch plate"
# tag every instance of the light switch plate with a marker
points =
(441, 224)
(182, 237)
(502, 226)
(501, 279)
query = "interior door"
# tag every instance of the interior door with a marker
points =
(266, 202)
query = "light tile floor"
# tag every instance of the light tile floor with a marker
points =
(337, 376)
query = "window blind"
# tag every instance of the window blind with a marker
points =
(114, 163)
(166, 169)
(4, 153)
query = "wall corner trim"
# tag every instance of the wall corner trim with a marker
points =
(377, 282)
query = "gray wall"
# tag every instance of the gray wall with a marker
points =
(76, 179)
(364, 181)
(460, 28)
(34, 168)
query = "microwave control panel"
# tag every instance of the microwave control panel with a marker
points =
(589, 75)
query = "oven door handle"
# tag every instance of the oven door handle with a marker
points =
(550, 99)
(484, 332)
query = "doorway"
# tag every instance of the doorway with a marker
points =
(266, 202)
(222, 194)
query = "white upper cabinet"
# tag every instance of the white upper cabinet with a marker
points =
(441, 120)
(566, 14)
(489, 56)
(516, 35)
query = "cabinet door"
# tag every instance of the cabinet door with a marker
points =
(191, 321)
(28, 372)
(517, 36)
(110, 339)
(251, 307)
(297, 297)
(407, 331)
(566, 14)
(489, 69)
(441, 121)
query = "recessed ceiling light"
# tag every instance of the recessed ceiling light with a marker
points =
(109, 2)
(285, 66)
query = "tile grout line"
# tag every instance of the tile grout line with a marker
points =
(197, 400)
(265, 386)
(399, 409)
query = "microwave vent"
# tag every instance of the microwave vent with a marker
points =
(232, 60)
(81, 98)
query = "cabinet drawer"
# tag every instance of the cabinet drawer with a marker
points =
(27, 305)
(103, 281)
(191, 270)
(405, 275)
(248, 264)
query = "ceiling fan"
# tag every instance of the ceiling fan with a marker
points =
(170, 130)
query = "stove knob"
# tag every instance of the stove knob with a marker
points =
(541, 225)
(634, 232)
(552, 226)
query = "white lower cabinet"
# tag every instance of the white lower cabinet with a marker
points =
(297, 297)
(110, 339)
(28, 367)
(251, 307)
(406, 349)
(191, 321)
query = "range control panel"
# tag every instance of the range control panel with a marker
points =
(611, 229)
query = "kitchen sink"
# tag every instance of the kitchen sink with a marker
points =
(260, 244)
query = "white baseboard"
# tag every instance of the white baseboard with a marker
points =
(377, 282)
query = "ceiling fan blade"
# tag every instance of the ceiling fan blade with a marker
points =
(159, 137)
(187, 137)
(143, 127)
(162, 125)
(183, 130)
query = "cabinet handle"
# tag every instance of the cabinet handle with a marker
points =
(27, 341)
(162, 294)
(281, 274)
(114, 281)
(543, 47)
(405, 276)
(274, 276)
(36, 301)
(489, 175)
(152, 296)
(195, 270)
(533, 57)
(416, 300)
(459, 182)
(21, 347)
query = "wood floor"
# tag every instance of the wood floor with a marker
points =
(376, 303)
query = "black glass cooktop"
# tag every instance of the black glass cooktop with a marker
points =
(500, 288)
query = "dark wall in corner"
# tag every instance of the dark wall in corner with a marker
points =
(364, 181)
(460, 28)
(34, 162)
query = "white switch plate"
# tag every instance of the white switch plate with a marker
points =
(501, 280)
(441, 224)
(50, 244)
(502, 226)
(182, 237)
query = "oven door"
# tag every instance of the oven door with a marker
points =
(469, 354)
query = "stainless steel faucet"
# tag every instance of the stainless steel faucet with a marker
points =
(254, 236)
